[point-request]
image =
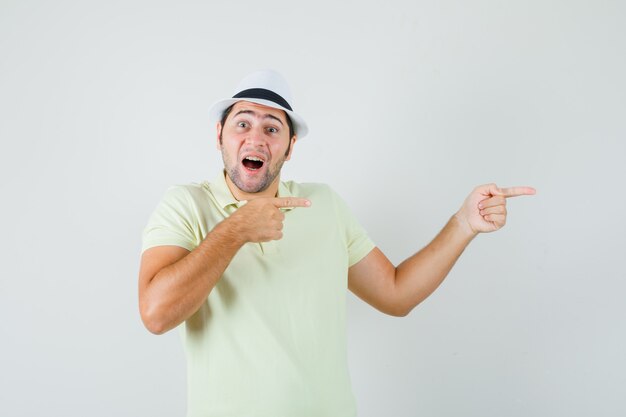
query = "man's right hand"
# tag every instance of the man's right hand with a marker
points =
(261, 220)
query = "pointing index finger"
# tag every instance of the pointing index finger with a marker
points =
(288, 202)
(517, 191)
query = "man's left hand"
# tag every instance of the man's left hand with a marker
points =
(484, 210)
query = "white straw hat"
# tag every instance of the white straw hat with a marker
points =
(268, 88)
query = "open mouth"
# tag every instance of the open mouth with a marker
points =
(252, 162)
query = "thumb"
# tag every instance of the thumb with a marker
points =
(492, 189)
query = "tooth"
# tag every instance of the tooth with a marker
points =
(253, 158)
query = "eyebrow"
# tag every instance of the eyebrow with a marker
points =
(265, 116)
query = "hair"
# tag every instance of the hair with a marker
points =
(230, 108)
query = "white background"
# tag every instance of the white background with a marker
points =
(411, 104)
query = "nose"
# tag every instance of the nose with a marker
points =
(255, 137)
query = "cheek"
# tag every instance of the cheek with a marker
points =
(279, 147)
(231, 144)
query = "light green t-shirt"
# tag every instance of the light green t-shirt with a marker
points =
(270, 340)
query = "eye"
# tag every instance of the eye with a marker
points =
(242, 124)
(272, 130)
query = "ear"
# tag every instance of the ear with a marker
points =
(294, 138)
(218, 127)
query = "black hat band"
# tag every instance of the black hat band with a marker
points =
(263, 94)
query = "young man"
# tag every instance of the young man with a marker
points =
(257, 269)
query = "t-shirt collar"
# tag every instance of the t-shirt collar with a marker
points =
(225, 198)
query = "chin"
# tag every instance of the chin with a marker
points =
(240, 178)
(252, 188)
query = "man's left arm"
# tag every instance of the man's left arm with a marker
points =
(397, 290)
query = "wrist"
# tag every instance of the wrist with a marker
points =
(231, 232)
(463, 226)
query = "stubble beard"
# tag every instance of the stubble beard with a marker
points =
(234, 173)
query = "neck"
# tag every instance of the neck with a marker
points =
(269, 192)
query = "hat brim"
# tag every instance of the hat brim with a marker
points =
(217, 110)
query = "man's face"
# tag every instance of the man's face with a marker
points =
(254, 143)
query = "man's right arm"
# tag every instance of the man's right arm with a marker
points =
(174, 282)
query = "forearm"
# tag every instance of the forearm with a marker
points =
(418, 276)
(178, 290)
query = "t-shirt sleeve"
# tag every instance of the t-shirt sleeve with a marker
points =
(358, 242)
(172, 222)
